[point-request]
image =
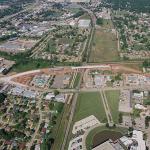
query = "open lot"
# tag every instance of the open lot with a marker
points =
(113, 101)
(104, 46)
(89, 103)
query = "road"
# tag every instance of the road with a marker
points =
(73, 107)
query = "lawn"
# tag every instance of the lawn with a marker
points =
(104, 47)
(113, 102)
(89, 103)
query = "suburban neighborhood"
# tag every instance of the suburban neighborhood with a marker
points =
(74, 75)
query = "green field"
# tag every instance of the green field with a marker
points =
(89, 103)
(113, 102)
(104, 47)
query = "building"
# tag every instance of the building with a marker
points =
(138, 95)
(50, 96)
(84, 23)
(136, 142)
(60, 98)
(138, 137)
(104, 146)
(5, 65)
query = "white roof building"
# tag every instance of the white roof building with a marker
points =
(37, 147)
(60, 98)
(138, 95)
(50, 96)
(126, 141)
(140, 107)
(84, 23)
(138, 136)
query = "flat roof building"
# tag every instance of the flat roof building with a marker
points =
(104, 146)
(84, 23)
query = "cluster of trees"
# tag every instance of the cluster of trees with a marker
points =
(51, 47)
(146, 63)
(2, 97)
(78, 14)
(9, 11)
(131, 5)
(11, 135)
(147, 120)
(6, 37)
(99, 21)
(14, 6)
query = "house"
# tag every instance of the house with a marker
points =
(60, 98)
(84, 23)
(37, 147)
(139, 95)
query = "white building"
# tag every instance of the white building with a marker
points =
(138, 136)
(84, 23)
(50, 96)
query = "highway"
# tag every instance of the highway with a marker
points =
(73, 107)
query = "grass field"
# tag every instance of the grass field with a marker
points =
(104, 47)
(113, 102)
(89, 103)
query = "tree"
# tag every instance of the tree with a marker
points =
(120, 118)
(107, 125)
(2, 97)
(56, 92)
(99, 21)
